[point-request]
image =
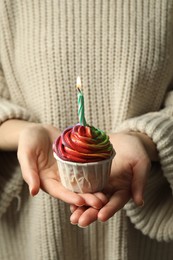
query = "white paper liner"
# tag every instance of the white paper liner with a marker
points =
(84, 177)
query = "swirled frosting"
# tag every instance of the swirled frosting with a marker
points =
(83, 144)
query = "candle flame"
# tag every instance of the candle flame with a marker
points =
(78, 83)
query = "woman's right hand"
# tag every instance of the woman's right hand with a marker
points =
(39, 168)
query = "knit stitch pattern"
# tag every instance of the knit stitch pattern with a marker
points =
(123, 52)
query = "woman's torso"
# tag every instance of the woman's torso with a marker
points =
(123, 52)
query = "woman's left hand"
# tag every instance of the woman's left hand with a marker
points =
(130, 168)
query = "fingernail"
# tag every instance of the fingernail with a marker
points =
(31, 192)
(82, 226)
(72, 209)
(73, 223)
(96, 207)
(142, 204)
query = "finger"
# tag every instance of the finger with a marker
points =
(92, 200)
(73, 208)
(30, 173)
(57, 190)
(74, 218)
(87, 217)
(116, 202)
(102, 197)
(140, 176)
(34, 183)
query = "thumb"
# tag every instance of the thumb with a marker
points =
(139, 180)
(30, 172)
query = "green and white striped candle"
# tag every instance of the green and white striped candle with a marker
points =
(81, 110)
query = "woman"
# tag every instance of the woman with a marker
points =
(123, 52)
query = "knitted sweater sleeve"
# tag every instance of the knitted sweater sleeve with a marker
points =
(10, 176)
(155, 218)
(8, 109)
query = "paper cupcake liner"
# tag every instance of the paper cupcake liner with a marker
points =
(84, 177)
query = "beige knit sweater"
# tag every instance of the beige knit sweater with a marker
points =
(123, 51)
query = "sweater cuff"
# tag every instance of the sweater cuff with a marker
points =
(9, 110)
(156, 217)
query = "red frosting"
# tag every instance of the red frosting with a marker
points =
(83, 144)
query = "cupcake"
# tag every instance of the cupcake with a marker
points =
(84, 154)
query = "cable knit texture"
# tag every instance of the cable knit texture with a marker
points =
(123, 52)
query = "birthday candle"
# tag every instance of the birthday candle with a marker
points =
(81, 112)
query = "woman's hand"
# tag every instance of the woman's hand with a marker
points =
(130, 168)
(39, 168)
